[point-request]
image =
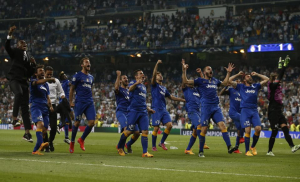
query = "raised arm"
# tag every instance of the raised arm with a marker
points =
(264, 79)
(132, 87)
(234, 83)
(200, 72)
(224, 91)
(118, 80)
(184, 78)
(71, 95)
(282, 64)
(229, 70)
(42, 81)
(153, 80)
(7, 43)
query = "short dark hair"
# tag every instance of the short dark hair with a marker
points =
(136, 72)
(158, 72)
(81, 60)
(38, 67)
(61, 74)
(273, 76)
(48, 68)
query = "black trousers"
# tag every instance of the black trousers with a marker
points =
(20, 89)
(53, 123)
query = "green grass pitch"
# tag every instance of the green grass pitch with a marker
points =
(100, 161)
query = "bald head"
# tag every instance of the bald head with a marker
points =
(22, 45)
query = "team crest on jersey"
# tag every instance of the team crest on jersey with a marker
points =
(40, 118)
(157, 122)
(74, 79)
(131, 127)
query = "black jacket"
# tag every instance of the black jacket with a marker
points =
(21, 68)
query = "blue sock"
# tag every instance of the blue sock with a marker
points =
(66, 128)
(247, 143)
(198, 134)
(242, 131)
(122, 141)
(86, 132)
(255, 139)
(39, 141)
(154, 137)
(131, 141)
(226, 138)
(192, 141)
(74, 132)
(237, 142)
(165, 135)
(144, 141)
(202, 142)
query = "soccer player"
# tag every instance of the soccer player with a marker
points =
(55, 91)
(249, 114)
(275, 115)
(40, 101)
(159, 92)
(207, 87)
(234, 111)
(123, 102)
(137, 118)
(82, 83)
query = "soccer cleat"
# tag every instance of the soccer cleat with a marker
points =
(147, 154)
(295, 148)
(71, 149)
(154, 149)
(270, 154)
(253, 150)
(280, 62)
(37, 153)
(44, 146)
(190, 152)
(57, 129)
(286, 61)
(248, 154)
(237, 151)
(27, 137)
(232, 149)
(51, 147)
(129, 150)
(242, 140)
(121, 152)
(67, 141)
(162, 145)
(205, 146)
(16, 123)
(81, 143)
(201, 154)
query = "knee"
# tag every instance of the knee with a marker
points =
(257, 129)
(169, 125)
(155, 128)
(76, 123)
(204, 129)
(136, 133)
(145, 132)
(91, 124)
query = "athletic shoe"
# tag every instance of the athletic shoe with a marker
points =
(67, 141)
(16, 123)
(154, 149)
(147, 155)
(270, 154)
(190, 152)
(71, 149)
(51, 147)
(57, 129)
(295, 148)
(201, 154)
(242, 140)
(205, 146)
(237, 151)
(253, 150)
(81, 143)
(121, 152)
(232, 149)
(248, 154)
(129, 150)
(162, 145)
(43, 146)
(27, 137)
(37, 153)
(47, 149)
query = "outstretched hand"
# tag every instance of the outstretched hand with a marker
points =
(11, 30)
(230, 67)
(159, 61)
(198, 70)
(118, 73)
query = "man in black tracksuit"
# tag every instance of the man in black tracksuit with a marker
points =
(22, 68)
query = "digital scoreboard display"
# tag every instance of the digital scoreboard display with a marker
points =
(271, 47)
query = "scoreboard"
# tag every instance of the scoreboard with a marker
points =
(271, 47)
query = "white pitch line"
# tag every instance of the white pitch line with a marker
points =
(156, 169)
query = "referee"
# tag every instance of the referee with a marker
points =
(22, 68)
(55, 91)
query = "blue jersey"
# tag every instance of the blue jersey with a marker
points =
(66, 87)
(249, 95)
(192, 98)
(83, 86)
(235, 100)
(39, 93)
(122, 98)
(159, 93)
(138, 98)
(208, 90)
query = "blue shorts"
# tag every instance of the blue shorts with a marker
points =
(235, 116)
(212, 111)
(86, 108)
(122, 118)
(248, 117)
(160, 116)
(195, 118)
(137, 121)
(40, 113)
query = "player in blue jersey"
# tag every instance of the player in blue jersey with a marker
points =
(65, 83)
(234, 111)
(249, 114)
(40, 105)
(82, 83)
(137, 117)
(122, 99)
(159, 93)
(207, 87)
